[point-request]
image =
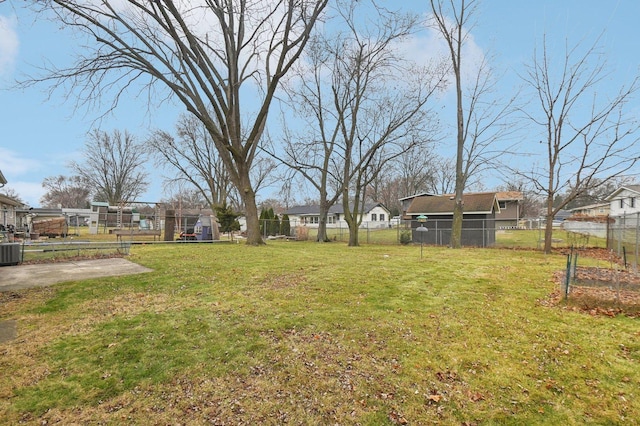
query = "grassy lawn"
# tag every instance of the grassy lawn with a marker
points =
(535, 239)
(303, 333)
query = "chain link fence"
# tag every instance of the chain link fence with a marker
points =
(379, 232)
(620, 234)
(477, 232)
(623, 237)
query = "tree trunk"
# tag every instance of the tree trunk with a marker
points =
(322, 230)
(253, 221)
(350, 217)
(548, 230)
(458, 209)
(215, 228)
(250, 208)
(353, 221)
(456, 226)
(353, 236)
(322, 221)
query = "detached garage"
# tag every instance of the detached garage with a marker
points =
(478, 224)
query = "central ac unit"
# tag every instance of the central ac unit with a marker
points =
(9, 254)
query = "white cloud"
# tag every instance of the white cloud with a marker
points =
(29, 192)
(12, 165)
(8, 43)
(433, 46)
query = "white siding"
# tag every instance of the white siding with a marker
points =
(625, 202)
(378, 217)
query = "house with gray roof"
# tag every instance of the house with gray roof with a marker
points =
(374, 215)
(478, 224)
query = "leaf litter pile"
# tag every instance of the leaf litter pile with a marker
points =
(606, 291)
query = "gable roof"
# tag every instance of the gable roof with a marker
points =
(479, 203)
(205, 220)
(422, 194)
(589, 207)
(631, 188)
(8, 201)
(509, 196)
(314, 209)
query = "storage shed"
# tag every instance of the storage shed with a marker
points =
(478, 224)
(204, 228)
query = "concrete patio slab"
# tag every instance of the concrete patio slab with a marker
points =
(44, 274)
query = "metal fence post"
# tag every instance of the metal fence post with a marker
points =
(635, 256)
(484, 230)
(567, 277)
(621, 236)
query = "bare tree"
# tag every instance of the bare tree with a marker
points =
(412, 172)
(113, 167)
(365, 105)
(310, 150)
(69, 192)
(599, 191)
(444, 176)
(11, 193)
(217, 57)
(194, 158)
(530, 203)
(184, 196)
(479, 115)
(589, 138)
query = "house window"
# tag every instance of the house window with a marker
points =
(381, 217)
(311, 220)
(632, 203)
(621, 203)
(374, 217)
(331, 219)
(502, 204)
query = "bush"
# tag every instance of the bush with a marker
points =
(405, 237)
(302, 233)
(285, 225)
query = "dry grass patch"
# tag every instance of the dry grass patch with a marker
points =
(283, 281)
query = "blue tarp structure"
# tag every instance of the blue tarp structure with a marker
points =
(203, 229)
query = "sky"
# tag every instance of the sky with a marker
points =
(41, 133)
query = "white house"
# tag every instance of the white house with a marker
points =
(624, 200)
(8, 207)
(375, 215)
(592, 210)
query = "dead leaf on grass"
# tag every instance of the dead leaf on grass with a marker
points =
(397, 418)
(434, 397)
(447, 376)
(475, 396)
(280, 281)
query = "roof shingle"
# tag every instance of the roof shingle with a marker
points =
(441, 205)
